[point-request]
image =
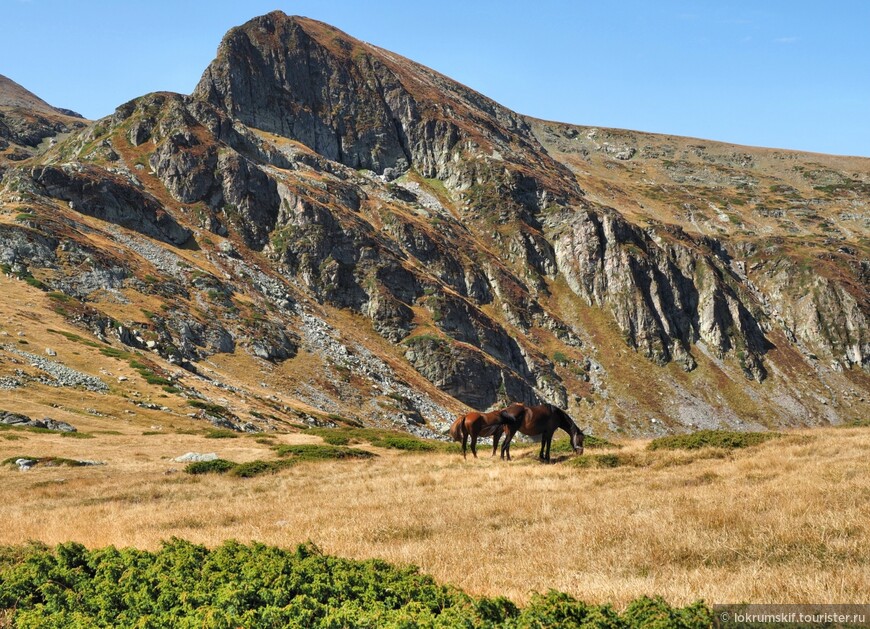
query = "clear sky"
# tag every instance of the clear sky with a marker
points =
(777, 73)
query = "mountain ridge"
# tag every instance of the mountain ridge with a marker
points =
(445, 250)
(13, 95)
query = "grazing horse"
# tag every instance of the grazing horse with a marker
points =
(543, 420)
(476, 425)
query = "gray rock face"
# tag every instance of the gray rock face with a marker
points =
(817, 312)
(294, 97)
(25, 464)
(348, 101)
(466, 374)
(662, 296)
(96, 192)
(270, 342)
(236, 191)
(29, 131)
(21, 248)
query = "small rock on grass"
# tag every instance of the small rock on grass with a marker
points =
(193, 457)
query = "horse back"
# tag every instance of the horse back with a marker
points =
(537, 419)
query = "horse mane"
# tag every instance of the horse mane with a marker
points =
(565, 418)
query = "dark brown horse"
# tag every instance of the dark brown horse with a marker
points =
(476, 425)
(543, 420)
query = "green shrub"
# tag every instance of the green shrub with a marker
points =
(150, 378)
(243, 470)
(76, 435)
(336, 438)
(237, 585)
(560, 358)
(59, 296)
(217, 466)
(655, 613)
(35, 282)
(46, 461)
(5, 427)
(563, 444)
(726, 439)
(214, 409)
(606, 460)
(69, 335)
(591, 441)
(221, 433)
(402, 442)
(258, 468)
(380, 438)
(113, 352)
(339, 418)
(317, 452)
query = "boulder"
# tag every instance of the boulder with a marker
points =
(195, 457)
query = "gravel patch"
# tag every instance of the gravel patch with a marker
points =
(60, 374)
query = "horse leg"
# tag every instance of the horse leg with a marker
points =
(496, 437)
(464, 443)
(549, 440)
(474, 444)
(506, 448)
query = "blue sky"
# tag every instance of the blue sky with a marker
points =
(787, 74)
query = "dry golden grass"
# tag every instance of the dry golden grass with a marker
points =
(787, 521)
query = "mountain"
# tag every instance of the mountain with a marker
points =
(26, 120)
(325, 232)
(14, 97)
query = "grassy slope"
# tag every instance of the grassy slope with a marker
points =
(743, 183)
(755, 524)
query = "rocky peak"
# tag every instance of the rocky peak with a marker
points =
(355, 103)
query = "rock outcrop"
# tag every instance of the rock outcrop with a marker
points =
(99, 193)
(23, 421)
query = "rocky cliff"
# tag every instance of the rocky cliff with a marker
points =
(335, 233)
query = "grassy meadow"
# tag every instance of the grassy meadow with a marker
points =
(785, 519)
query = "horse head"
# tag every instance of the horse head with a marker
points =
(577, 441)
(577, 436)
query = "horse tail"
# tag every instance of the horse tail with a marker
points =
(456, 429)
(513, 421)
